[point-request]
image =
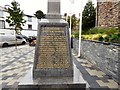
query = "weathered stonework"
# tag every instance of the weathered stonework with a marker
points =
(53, 66)
(53, 53)
(106, 57)
(108, 14)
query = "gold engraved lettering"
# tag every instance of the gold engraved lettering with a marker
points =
(53, 47)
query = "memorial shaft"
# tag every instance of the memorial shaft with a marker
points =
(53, 52)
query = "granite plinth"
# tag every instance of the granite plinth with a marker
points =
(53, 72)
(53, 52)
(53, 83)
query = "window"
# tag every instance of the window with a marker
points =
(2, 33)
(1, 13)
(2, 24)
(29, 26)
(19, 37)
(29, 19)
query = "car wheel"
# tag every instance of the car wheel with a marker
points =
(5, 45)
(23, 43)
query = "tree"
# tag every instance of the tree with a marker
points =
(88, 16)
(39, 14)
(74, 21)
(16, 16)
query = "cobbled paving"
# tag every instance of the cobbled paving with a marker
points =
(14, 64)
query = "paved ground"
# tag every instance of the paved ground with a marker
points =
(96, 79)
(16, 62)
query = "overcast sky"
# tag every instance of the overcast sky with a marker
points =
(31, 6)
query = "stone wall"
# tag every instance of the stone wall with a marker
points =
(108, 14)
(103, 55)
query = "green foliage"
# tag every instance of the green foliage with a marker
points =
(39, 14)
(101, 38)
(73, 21)
(106, 39)
(96, 31)
(103, 31)
(93, 37)
(102, 34)
(16, 16)
(112, 31)
(112, 38)
(115, 38)
(88, 17)
(76, 35)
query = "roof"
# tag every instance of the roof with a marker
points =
(29, 15)
(2, 8)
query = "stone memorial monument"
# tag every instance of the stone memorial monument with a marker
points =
(53, 54)
(53, 65)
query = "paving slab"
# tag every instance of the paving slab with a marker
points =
(16, 63)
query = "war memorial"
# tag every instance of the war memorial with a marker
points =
(53, 65)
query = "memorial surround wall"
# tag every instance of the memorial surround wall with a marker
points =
(105, 55)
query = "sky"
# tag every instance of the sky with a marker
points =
(31, 6)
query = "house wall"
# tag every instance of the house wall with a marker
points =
(26, 31)
(34, 23)
(108, 13)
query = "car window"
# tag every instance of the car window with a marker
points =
(18, 37)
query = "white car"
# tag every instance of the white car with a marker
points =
(6, 40)
(20, 40)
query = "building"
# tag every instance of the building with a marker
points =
(30, 27)
(108, 13)
(2, 19)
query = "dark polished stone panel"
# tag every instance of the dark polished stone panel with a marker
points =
(53, 52)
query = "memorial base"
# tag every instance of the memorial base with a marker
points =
(53, 87)
(53, 83)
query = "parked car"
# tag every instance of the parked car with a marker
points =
(25, 37)
(6, 40)
(32, 41)
(20, 40)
